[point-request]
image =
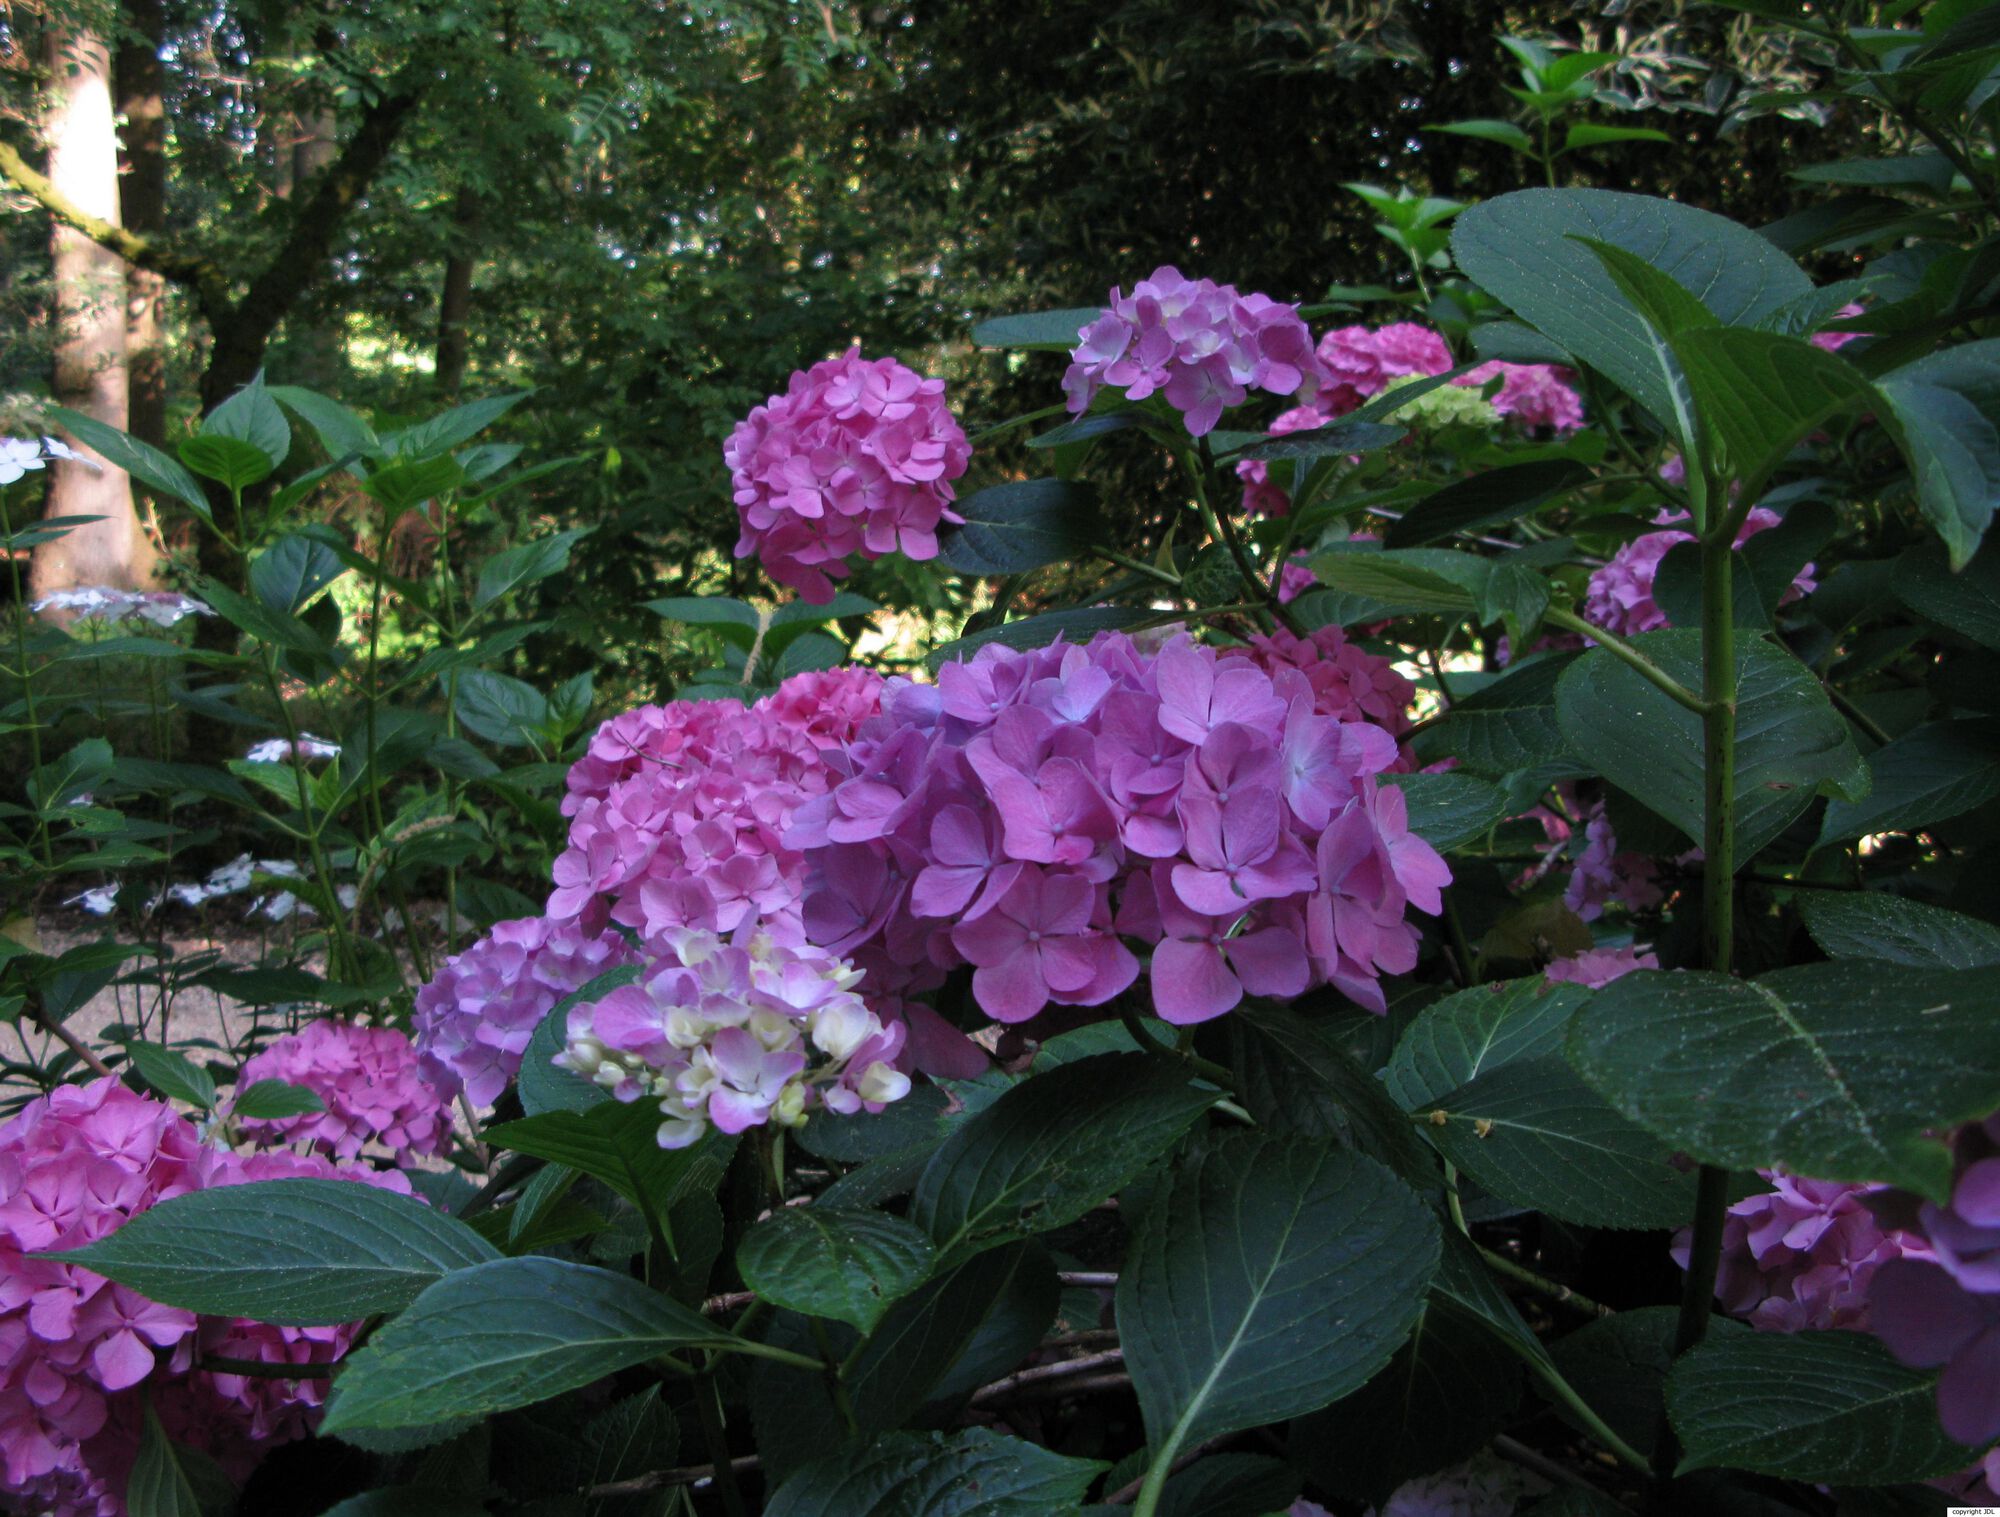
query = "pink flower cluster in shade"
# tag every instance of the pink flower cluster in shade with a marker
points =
(1620, 595)
(78, 1354)
(473, 1020)
(1595, 968)
(1943, 1308)
(1482, 1486)
(1358, 363)
(678, 812)
(741, 1033)
(1202, 345)
(1034, 811)
(856, 457)
(370, 1083)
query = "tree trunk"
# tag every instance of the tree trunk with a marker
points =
(312, 352)
(142, 199)
(90, 328)
(455, 300)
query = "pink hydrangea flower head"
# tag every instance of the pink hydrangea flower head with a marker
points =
(81, 1356)
(1261, 496)
(474, 1019)
(1045, 816)
(678, 812)
(1620, 594)
(1534, 396)
(857, 457)
(1360, 361)
(1202, 345)
(1348, 683)
(370, 1082)
(1833, 342)
(1595, 968)
(739, 1032)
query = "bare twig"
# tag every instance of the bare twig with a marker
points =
(69, 1040)
(1041, 1374)
(727, 1302)
(1087, 1278)
(661, 1480)
(1549, 1469)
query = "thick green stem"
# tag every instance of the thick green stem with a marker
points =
(708, 1409)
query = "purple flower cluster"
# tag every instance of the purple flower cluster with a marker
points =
(79, 1355)
(740, 1033)
(1483, 1486)
(1802, 1255)
(1034, 810)
(1204, 346)
(1603, 873)
(856, 457)
(1620, 595)
(474, 1019)
(370, 1083)
(678, 812)
(1944, 1308)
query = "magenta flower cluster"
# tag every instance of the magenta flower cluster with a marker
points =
(1604, 873)
(1534, 396)
(678, 812)
(1944, 1309)
(1202, 345)
(370, 1082)
(740, 1032)
(856, 457)
(473, 1020)
(1595, 968)
(1035, 812)
(79, 1355)
(1620, 594)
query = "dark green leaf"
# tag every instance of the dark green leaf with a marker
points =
(1532, 1133)
(499, 708)
(524, 565)
(267, 1099)
(1942, 411)
(1268, 1278)
(1618, 1365)
(1841, 1071)
(1927, 776)
(1503, 132)
(1021, 525)
(1965, 600)
(342, 433)
(292, 571)
(1762, 393)
(1050, 1149)
(251, 416)
(509, 1333)
(618, 1143)
(460, 424)
(1508, 725)
(1295, 1078)
(1231, 1485)
(163, 1479)
(1791, 744)
(230, 461)
(172, 1075)
(299, 1252)
(144, 462)
(1484, 500)
(1415, 580)
(1050, 330)
(406, 486)
(1853, 924)
(409, 1501)
(1454, 1041)
(974, 1473)
(849, 1265)
(1822, 1407)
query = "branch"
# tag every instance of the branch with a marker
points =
(241, 334)
(188, 269)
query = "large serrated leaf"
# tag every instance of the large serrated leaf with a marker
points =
(1449, 810)
(1050, 1149)
(1020, 525)
(1854, 924)
(974, 1473)
(1843, 1071)
(509, 1333)
(1931, 774)
(1455, 1040)
(849, 1265)
(1817, 1406)
(300, 1252)
(1269, 1277)
(1790, 742)
(1508, 726)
